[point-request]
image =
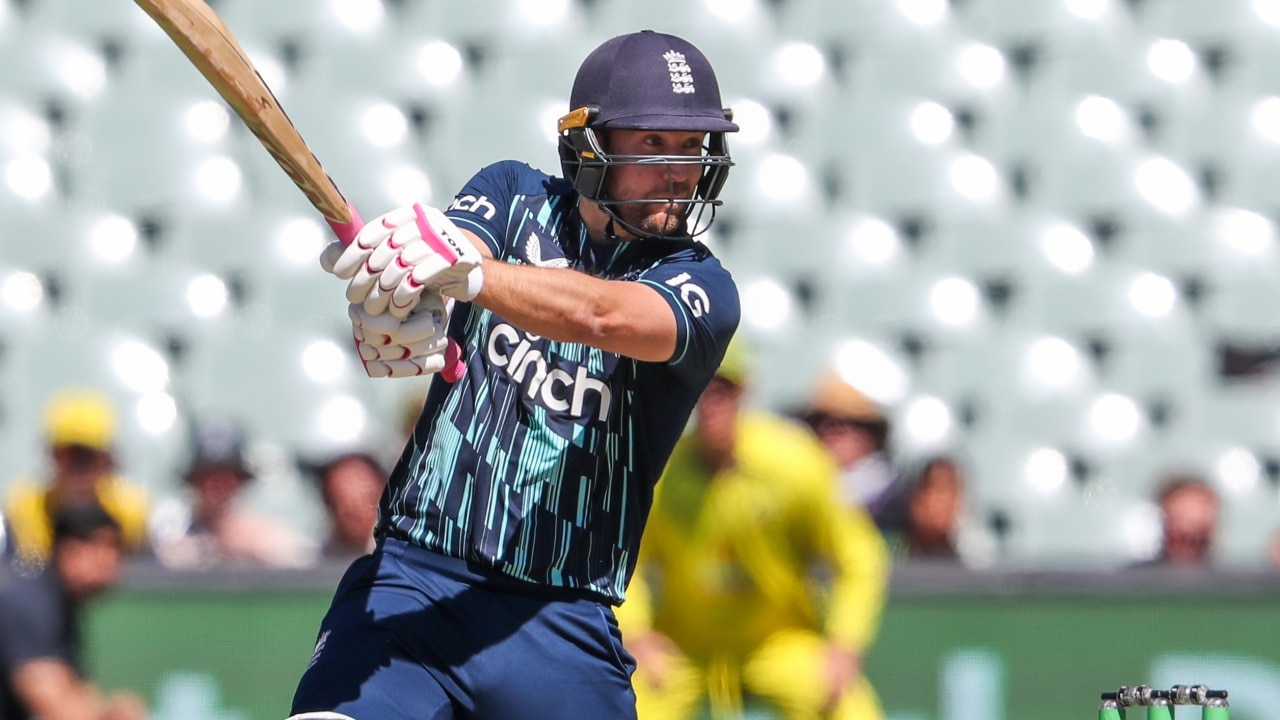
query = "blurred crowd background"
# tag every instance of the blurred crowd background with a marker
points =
(1037, 237)
(1013, 261)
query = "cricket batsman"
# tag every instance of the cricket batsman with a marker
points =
(589, 321)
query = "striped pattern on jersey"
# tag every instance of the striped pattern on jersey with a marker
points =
(540, 462)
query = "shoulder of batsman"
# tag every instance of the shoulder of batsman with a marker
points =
(522, 175)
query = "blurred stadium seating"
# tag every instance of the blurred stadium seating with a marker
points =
(1097, 173)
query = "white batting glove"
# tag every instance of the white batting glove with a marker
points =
(391, 347)
(395, 257)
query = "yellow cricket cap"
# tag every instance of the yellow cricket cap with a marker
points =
(80, 417)
(736, 365)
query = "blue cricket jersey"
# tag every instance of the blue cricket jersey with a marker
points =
(540, 461)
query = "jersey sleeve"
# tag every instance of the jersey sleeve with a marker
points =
(483, 206)
(704, 299)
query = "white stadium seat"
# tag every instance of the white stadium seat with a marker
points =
(949, 170)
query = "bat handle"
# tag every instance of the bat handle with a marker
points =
(453, 365)
(346, 232)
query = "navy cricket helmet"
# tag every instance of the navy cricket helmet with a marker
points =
(646, 81)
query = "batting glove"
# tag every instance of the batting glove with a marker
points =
(395, 257)
(392, 347)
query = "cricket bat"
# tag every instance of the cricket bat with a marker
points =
(202, 36)
(207, 42)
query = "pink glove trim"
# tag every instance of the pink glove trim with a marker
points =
(363, 362)
(402, 307)
(347, 232)
(413, 285)
(432, 239)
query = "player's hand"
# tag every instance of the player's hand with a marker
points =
(656, 656)
(397, 255)
(843, 667)
(394, 347)
(125, 705)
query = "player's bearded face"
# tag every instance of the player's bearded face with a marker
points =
(657, 219)
(661, 182)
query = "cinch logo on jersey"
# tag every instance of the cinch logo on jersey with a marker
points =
(554, 388)
(681, 73)
(478, 205)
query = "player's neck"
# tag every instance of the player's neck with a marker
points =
(600, 225)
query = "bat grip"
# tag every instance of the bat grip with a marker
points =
(453, 365)
(346, 231)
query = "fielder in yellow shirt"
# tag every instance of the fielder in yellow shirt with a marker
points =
(755, 584)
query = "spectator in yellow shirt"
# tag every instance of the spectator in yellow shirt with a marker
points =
(79, 428)
(756, 586)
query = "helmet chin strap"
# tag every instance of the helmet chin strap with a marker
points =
(610, 232)
(612, 221)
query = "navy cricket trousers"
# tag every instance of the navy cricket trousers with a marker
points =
(414, 635)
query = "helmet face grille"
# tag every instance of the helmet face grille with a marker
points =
(587, 165)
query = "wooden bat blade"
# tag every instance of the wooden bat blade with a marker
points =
(202, 36)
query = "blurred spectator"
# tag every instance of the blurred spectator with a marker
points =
(933, 512)
(1189, 520)
(40, 670)
(350, 486)
(938, 525)
(216, 527)
(79, 430)
(856, 432)
(754, 584)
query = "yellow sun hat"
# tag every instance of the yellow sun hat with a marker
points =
(836, 397)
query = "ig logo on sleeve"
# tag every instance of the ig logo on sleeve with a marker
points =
(691, 294)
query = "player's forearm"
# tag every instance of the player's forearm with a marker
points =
(861, 584)
(567, 305)
(52, 690)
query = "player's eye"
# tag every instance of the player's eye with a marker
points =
(692, 145)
